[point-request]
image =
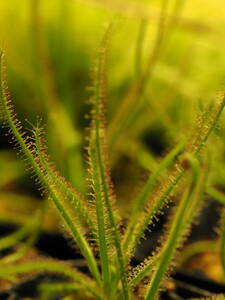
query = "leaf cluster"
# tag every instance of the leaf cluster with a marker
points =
(95, 223)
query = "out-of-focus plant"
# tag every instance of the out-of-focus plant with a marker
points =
(183, 172)
(159, 105)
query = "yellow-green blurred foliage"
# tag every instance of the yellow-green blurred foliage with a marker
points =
(50, 48)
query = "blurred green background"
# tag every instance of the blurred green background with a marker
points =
(166, 62)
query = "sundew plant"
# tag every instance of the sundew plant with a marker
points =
(106, 240)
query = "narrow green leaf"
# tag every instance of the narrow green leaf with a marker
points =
(50, 289)
(19, 235)
(220, 197)
(74, 199)
(52, 267)
(216, 195)
(27, 148)
(205, 125)
(105, 197)
(145, 194)
(178, 227)
(128, 105)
